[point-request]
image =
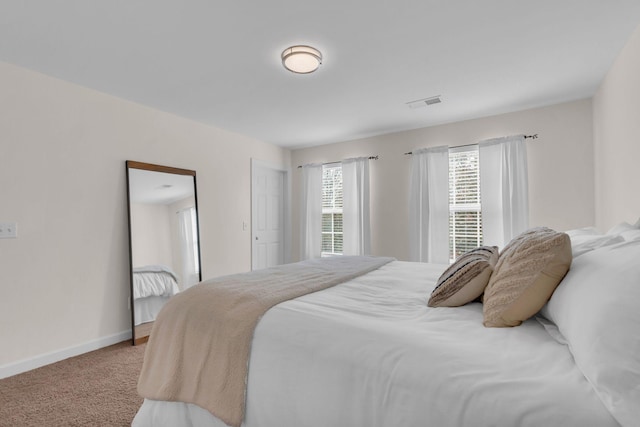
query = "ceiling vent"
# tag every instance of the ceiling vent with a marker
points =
(424, 102)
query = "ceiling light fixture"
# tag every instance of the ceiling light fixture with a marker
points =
(301, 59)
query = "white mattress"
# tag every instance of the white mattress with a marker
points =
(371, 353)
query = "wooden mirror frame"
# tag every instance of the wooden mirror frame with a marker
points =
(131, 164)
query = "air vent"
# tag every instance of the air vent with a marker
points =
(434, 100)
(424, 102)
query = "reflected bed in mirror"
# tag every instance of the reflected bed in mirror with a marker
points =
(163, 238)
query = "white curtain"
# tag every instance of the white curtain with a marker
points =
(355, 210)
(429, 205)
(311, 212)
(188, 247)
(503, 189)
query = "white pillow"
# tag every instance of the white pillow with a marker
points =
(586, 231)
(630, 235)
(582, 244)
(621, 228)
(596, 309)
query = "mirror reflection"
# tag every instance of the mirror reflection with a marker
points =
(163, 227)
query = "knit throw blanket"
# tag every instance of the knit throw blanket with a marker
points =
(199, 348)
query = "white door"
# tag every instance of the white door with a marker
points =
(267, 217)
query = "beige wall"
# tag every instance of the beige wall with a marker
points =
(65, 278)
(616, 124)
(561, 167)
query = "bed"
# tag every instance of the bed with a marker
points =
(370, 352)
(153, 285)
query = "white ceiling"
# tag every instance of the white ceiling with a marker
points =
(159, 188)
(218, 61)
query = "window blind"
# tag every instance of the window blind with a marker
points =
(465, 219)
(332, 209)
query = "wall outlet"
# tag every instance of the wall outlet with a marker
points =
(8, 230)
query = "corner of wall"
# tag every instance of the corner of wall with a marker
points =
(616, 108)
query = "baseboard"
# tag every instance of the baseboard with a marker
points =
(56, 356)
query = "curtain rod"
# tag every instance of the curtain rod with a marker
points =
(534, 136)
(328, 163)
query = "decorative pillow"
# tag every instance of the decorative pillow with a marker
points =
(596, 310)
(465, 279)
(528, 271)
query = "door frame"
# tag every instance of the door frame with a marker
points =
(286, 202)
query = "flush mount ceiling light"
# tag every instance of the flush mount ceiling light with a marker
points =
(301, 59)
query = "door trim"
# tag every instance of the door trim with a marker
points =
(255, 163)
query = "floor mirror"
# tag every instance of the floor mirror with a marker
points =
(164, 243)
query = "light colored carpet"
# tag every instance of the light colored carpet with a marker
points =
(93, 389)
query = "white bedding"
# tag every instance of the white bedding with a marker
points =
(148, 283)
(371, 353)
(147, 309)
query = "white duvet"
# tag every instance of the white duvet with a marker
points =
(147, 283)
(371, 353)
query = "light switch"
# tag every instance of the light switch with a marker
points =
(8, 230)
(244, 225)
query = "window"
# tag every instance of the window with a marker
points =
(188, 228)
(465, 220)
(194, 240)
(332, 209)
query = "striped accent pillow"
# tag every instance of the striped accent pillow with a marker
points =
(465, 279)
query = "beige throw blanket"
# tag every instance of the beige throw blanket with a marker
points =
(199, 347)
